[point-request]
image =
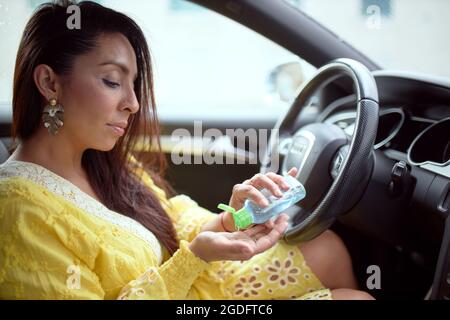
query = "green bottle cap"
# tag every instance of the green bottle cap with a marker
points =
(242, 218)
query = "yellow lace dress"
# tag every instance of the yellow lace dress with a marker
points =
(57, 242)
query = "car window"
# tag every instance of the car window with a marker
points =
(204, 63)
(406, 35)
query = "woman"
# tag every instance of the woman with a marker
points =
(83, 218)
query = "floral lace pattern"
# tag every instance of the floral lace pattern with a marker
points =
(279, 273)
(62, 187)
(248, 287)
(283, 273)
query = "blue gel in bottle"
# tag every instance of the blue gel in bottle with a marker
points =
(251, 213)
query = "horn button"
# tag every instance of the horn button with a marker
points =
(315, 149)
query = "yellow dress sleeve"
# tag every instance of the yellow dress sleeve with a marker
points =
(35, 261)
(46, 253)
(186, 215)
(173, 280)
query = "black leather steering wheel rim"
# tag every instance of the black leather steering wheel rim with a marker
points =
(357, 165)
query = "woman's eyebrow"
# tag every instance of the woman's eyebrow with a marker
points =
(123, 67)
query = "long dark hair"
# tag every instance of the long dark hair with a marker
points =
(47, 40)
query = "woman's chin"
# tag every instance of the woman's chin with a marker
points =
(106, 146)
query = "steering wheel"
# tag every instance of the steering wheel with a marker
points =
(334, 170)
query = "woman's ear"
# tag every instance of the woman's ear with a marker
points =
(46, 81)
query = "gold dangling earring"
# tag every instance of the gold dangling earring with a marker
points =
(53, 116)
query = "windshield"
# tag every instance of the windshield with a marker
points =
(396, 34)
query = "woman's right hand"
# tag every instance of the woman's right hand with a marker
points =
(238, 245)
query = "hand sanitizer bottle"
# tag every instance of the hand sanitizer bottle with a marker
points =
(251, 213)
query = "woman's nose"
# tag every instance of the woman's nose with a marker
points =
(130, 102)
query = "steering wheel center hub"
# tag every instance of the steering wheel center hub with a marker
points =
(312, 151)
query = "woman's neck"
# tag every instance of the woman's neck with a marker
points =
(58, 156)
(54, 153)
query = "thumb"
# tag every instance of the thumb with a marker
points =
(293, 171)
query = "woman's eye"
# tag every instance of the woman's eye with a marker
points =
(111, 84)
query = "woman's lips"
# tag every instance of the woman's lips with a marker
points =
(118, 130)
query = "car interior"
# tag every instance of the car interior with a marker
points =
(392, 207)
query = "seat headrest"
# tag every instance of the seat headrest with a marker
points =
(4, 153)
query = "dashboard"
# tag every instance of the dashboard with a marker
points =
(407, 200)
(414, 119)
